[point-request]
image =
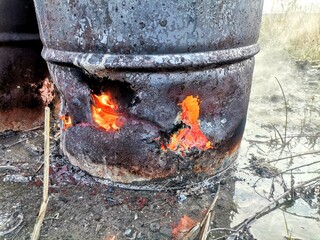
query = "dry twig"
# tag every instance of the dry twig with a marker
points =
(245, 224)
(205, 224)
(300, 215)
(8, 167)
(13, 144)
(201, 230)
(32, 129)
(284, 140)
(298, 167)
(43, 208)
(293, 156)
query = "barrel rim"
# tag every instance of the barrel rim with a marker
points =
(95, 62)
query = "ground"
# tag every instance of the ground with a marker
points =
(79, 207)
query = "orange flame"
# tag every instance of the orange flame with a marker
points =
(104, 112)
(192, 135)
(67, 121)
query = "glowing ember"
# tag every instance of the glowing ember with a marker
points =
(67, 121)
(184, 226)
(192, 135)
(104, 112)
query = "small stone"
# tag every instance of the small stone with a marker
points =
(111, 200)
(182, 197)
(77, 176)
(76, 168)
(128, 232)
(154, 227)
(223, 181)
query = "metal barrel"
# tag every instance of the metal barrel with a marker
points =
(151, 57)
(22, 70)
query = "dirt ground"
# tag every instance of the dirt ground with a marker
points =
(80, 207)
(276, 155)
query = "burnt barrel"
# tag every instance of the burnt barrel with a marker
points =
(152, 92)
(22, 69)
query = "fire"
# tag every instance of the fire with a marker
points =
(67, 121)
(192, 135)
(104, 112)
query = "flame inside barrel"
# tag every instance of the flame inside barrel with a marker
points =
(67, 121)
(191, 135)
(104, 112)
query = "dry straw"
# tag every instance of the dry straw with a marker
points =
(44, 204)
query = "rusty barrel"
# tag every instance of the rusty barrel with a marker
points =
(153, 92)
(22, 70)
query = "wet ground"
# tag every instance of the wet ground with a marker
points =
(276, 155)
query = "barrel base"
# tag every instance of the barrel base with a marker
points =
(122, 178)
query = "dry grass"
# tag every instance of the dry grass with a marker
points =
(44, 204)
(295, 33)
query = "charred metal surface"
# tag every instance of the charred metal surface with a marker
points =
(22, 70)
(150, 56)
(148, 27)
